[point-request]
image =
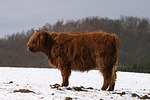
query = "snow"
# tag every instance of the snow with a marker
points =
(129, 86)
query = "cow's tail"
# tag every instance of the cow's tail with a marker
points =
(115, 62)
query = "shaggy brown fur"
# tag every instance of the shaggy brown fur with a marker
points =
(79, 52)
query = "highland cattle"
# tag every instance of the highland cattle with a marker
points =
(79, 52)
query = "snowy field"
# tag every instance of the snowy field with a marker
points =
(38, 84)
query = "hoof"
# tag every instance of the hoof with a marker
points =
(103, 89)
(65, 85)
(110, 89)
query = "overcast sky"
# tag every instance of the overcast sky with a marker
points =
(18, 15)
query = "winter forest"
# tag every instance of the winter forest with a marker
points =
(133, 33)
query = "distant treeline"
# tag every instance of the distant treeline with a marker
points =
(142, 67)
(133, 33)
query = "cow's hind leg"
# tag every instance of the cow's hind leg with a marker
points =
(65, 72)
(113, 79)
(106, 83)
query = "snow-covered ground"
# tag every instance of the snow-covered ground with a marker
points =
(34, 84)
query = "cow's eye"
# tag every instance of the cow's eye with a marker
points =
(33, 41)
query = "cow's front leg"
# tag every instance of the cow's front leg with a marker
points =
(65, 72)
